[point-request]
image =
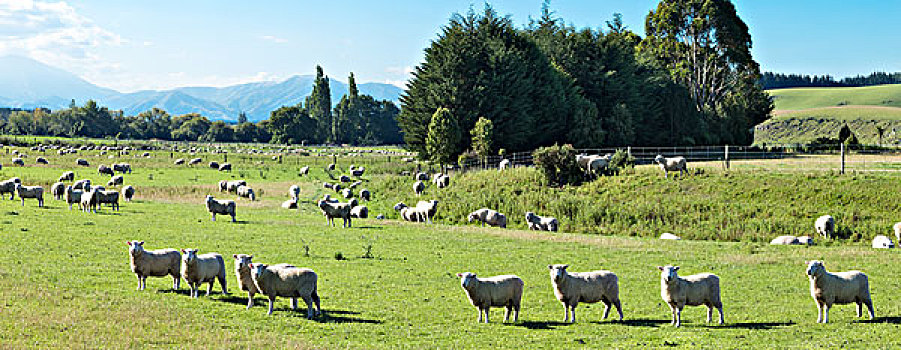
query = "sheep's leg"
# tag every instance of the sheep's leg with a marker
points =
(826, 313)
(233, 219)
(619, 308)
(507, 311)
(859, 309)
(572, 314)
(479, 320)
(819, 312)
(249, 300)
(606, 308)
(315, 297)
(486, 313)
(175, 282)
(271, 301)
(709, 312)
(678, 316)
(209, 287)
(672, 310)
(722, 318)
(869, 304)
(516, 313)
(214, 216)
(309, 301)
(139, 281)
(222, 283)
(294, 303)
(565, 312)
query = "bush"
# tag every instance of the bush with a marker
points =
(558, 165)
(620, 160)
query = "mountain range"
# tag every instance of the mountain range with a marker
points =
(26, 83)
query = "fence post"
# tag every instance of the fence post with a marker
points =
(727, 157)
(842, 148)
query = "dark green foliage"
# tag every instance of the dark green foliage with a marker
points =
(319, 107)
(620, 160)
(360, 119)
(482, 137)
(558, 165)
(292, 125)
(444, 133)
(219, 132)
(190, 127)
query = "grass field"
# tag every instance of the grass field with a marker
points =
(65, 281)
(804, 98)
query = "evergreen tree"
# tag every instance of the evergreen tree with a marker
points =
(242, 118)
(444, 133)
(319, 106)
(482, 135)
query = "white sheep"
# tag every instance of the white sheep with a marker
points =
(84, 184)
(18, 161)
(128, 192)
(179, 161)
(203, 268)
(408, 213)
(571, 288)
(671, 164)
(36, 192)
(72, 196)
(287, 281)
(304, 171)
(290, 204)
(294, 192)
(225, 167)
(422, 177)
(483, 293)
(669, 236)
(540, 223)
(418, 187)
(504, 164)
(828, 288)
(442, 181)
(785, 240)
(154, 263)
(335, 210)
(825, 226)
(427, 209)
(344, 178)
(358, 172)
(67, 176)
(347, 193)
(58, 190)
(593, 164)
(8, 186)
(89, 201)
(107, 197)
(489, 217)
(359, 212)
(805, 240)
(897, 229)
(117, 180)
(195, 161)
(232, 186)
(694, 290)
(882, 241)
(220, 206)
(246, 192)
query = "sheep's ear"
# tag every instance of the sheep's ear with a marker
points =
(128, 242)
(550, 267)
(565, 267)
(250, 257)
(141, 243)
(235, 256)
(660, 268)
(675, 268)
(459, 275)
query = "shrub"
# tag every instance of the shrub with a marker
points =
(558, 165)
(620, 160)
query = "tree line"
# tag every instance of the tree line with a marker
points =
(690, 80)
(770, 80)
(357, 119)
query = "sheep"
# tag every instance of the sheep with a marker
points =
(347, 193)
(103, 169)
(242, 274)
(422, 177)
(128, 192)
(588, 287)
(107, 197)
(897, 229)
(294, 192)
(335, 210)
(223, 185)
(825, 226)
(8, 186)
(246, 192)
(225, 167)
(232, 186)
(304, 171)
(203, 268)
(805, 240)
(358, 172)
(882, 241)
(72, 196)
(154, 263)
(328, 185)
(84, 184)
(331, 167)
(359, 212)
(284, 280)
(58, 190)
(407, 213)
(483, 293)
(179, 161)
(840, 288)
(18, 161)
(344, 178)
(214, 165)
(442, 181)
(146, 155)
(82, 162)
(503, 165)
(41, 160)
(669, 236)
(694, 290)
(671, 164)
(418, 187)
(539, 223)
(427, 209)
(220, 206)
(488, 216)
(290, 204)
(365, 194)
(785, 240)
(195, 161)
(36, 192)
(337, 188)
(67, 176)
(122, 168)
(115, 181)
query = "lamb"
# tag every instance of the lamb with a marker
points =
(116, 181)
(304, 171)
(365, 194)
(490, 217)
(103, 169)
(589, 287)
(246, 192)
(671, 164)
(67, 176)
(882, 241)
(18, 161)
(214, 165)
(418, 187)
(825, 226)
(294, 191)
(335, 210)
(427, 209)
(82, 162)
(287, 281)
(72, 196)
(41, 160)
(36, 192)
(128, 192)
(442, 181)
(504, 164)
(58, 190)
(220, 206)
(225, 167)
(669, 236)
(483, 293)
(359, 212)
(785, 240)
(154, 263)
(195, 161)
(539, 223)
(8, 186)
(694, 290)
(107, 197)
(179, 161)
(828, 288)
(203, 268)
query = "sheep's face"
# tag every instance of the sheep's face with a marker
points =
(257, 269)
(208, 199)
(530, 216)
(243, 261)
(135, 248)
(815, 267)
(668, 273)
(466, 279)
(189, 255)
(557, 271)
(658, 159)
(399, 206)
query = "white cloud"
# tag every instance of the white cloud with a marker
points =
(406, 70)
(403, 75)
(274, 39)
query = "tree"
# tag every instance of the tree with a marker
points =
(219, 132)
(192, 129)
(482, 135)
(444, 133)
(348, 118)
(319, 107)
(291, 124)
(242, 118)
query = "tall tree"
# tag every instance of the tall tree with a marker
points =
(291, 124)
(444, 133)
(482, 134)
(242, 118)
(319, 106)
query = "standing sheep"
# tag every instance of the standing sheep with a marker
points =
(203, 268)
(483, 293)
(195, 161)
(82, 162)
(359, 212)
(488, 216)
(588, 287)
(504, 164)
(154, 263)
(828, 288)
(117, 180)
(105, 170)
(41, 160)
(8, 186)
(220, 206)
(88, 201)
(179, 161)
(128, 192)
(418, 187)
(58, 190)
(294, 192)
(304, 171)
(694, 290)
(107, 197)
(335, 210)
(539, 223)
(825, 226)
(72, 196)
(36, 192)
(347, 193)
(18, 161)
(671, 164)
(365, 194)
(246, 192)
(285, 280)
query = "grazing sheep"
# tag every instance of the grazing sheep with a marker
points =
(103, 169)
(154, 263)
(408, 213)
(18, 161)
(671, 164)
(220, 206)
(67, 176)
(203, 268)
(179, 161)
(442, 181)
(365, 194)
(115, 181)
(82, 162)
(72, 196)
(882, 241)
(225, 167)
(107, 197)
(195, 161)
(825, 226)
(84, 184)
(8, 186)
(41, 160)
(128, 192)
(422, 177)
(290, 204)
(122, 168)
(359, 212)
(335, 210)
(58, 190)
(669, 236)
(539, 223)
(246, 192)
(785, 240)
(304, 171)
(337, 188)
(344, 178)
(427, 209)
(805, 240)
(232, 186)
(483, 293)
(828, 288)
(284, 280)
(504, 164)
(358, 172)
(694, 290)
(490, 217)
(223, 185)
(331, 167)
(214, 165)
(418, 187)
(587, 287)
(294, 192)
(36, 192)
(347, 193)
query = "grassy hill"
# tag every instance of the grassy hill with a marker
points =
(804, 98)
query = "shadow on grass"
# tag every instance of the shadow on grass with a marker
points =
(370, 227)
(890, 319)
(641, 322)
(335, 316)
(538, 324)
(753, 325)
(180, 291)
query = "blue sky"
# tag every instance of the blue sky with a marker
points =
(133, 45)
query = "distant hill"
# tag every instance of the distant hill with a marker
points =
(803, 98)
(26, 83)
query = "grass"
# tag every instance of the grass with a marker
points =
(65, 281)
(803, 98)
